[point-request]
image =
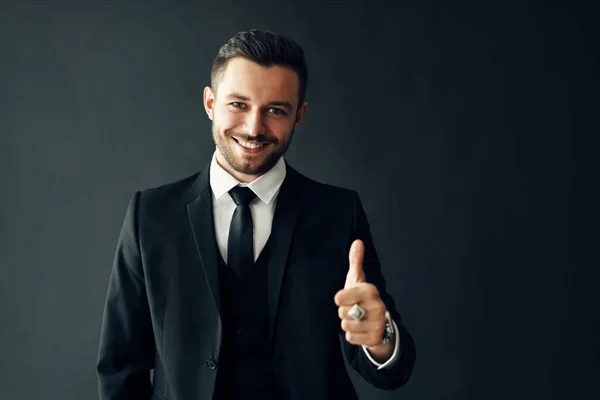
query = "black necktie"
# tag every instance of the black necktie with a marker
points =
(240, 246)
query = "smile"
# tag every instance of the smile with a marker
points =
(249, 145)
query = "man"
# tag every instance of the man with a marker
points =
(248, 279)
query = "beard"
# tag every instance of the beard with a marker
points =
(252, 165)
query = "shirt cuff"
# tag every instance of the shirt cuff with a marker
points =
(394, 356)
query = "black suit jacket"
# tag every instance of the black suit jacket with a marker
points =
(162, 310)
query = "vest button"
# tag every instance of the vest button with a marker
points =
(238, 329)
(211, 364)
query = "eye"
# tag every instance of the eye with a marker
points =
(276, 111)
(237, 104)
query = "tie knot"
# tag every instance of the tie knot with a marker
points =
(242, 195)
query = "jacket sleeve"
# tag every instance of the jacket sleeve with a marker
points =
(126, 351)
(395, 375)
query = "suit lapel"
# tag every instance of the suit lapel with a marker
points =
(286, 215)
(287, 211)
(200, 213)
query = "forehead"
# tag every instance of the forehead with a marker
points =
(260, 84)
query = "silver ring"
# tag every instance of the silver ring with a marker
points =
(356, 312)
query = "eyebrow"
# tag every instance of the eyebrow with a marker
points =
(237, 96)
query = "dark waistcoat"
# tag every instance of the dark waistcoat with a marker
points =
(245, 368)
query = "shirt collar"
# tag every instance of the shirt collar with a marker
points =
(265, 186)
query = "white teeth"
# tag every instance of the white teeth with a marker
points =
(249, 145)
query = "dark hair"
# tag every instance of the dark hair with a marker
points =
(264, 48)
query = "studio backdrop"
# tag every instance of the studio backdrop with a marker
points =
(454, 124)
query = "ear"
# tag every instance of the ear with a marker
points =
(209, 101)
(300, 114)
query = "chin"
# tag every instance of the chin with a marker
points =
(252, 169)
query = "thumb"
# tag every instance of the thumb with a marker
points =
(355, 257)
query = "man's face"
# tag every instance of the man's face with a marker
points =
(253, 113)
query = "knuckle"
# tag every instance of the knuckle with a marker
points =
(373, 292)
(345, 324)
(349, 337)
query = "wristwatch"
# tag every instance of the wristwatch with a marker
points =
(388, 332)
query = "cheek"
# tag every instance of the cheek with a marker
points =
(280, 129)
(226, 120)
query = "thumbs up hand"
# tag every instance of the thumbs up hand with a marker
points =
(369, 330)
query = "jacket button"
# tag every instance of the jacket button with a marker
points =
(238, 329)
(211, 364)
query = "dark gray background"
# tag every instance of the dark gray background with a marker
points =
(457, 125)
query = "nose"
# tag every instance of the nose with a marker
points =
(254, 124)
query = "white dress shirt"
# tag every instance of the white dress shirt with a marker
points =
(266, 187)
